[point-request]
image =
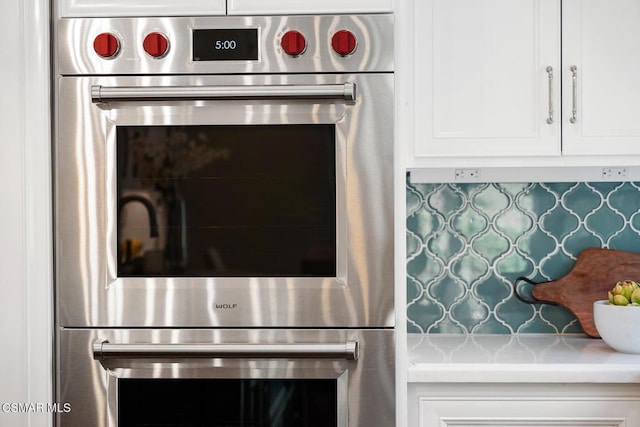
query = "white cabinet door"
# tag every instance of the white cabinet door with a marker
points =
(93, 8)
(601, 94)
(487, 77)
(519, 405)
(264, 7)
(533, 412)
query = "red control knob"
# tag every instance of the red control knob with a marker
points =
(344, 42)
(293, 43)
(106, 45)
(156, 45)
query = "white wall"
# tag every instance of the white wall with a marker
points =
(13, 321)
(25, 225)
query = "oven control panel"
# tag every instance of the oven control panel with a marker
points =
(223, 45)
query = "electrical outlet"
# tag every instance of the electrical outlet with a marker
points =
(614, 173)
(467, 174)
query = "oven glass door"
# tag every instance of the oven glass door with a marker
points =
(227, 402)
(260, 201)
(226, 200)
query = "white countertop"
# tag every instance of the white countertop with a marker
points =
(525, 358)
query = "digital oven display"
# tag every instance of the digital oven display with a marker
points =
(225, 44)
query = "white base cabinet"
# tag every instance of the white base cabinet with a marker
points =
(519, 405)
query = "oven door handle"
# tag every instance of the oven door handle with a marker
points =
(105, 350)
(342, 92)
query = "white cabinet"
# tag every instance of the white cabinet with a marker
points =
(601, 81)
(487, 77)
(93, 8)
(275, 7)
(531, 405)
(483, 89)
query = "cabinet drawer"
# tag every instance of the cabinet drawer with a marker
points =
(514, 405)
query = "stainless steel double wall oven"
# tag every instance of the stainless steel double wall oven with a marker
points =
(223, 220)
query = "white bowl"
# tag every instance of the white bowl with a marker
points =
(619, 326)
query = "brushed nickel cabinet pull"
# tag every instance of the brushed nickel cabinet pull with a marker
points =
(549, 70)
(574, 95)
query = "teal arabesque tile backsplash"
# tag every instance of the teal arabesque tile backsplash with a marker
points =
(466, 243)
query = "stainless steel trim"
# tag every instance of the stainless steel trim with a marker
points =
(346, 92)
(574, 95)
(549, 70)
(105, 350)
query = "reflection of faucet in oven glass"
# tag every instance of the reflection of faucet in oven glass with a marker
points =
(175, 251)
(129, 262)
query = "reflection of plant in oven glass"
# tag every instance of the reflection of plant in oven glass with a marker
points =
(172, 153)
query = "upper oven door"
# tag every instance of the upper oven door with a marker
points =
(255, 201)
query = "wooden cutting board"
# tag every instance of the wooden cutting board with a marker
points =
(595, 272)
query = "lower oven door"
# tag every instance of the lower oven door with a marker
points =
(216, 378)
